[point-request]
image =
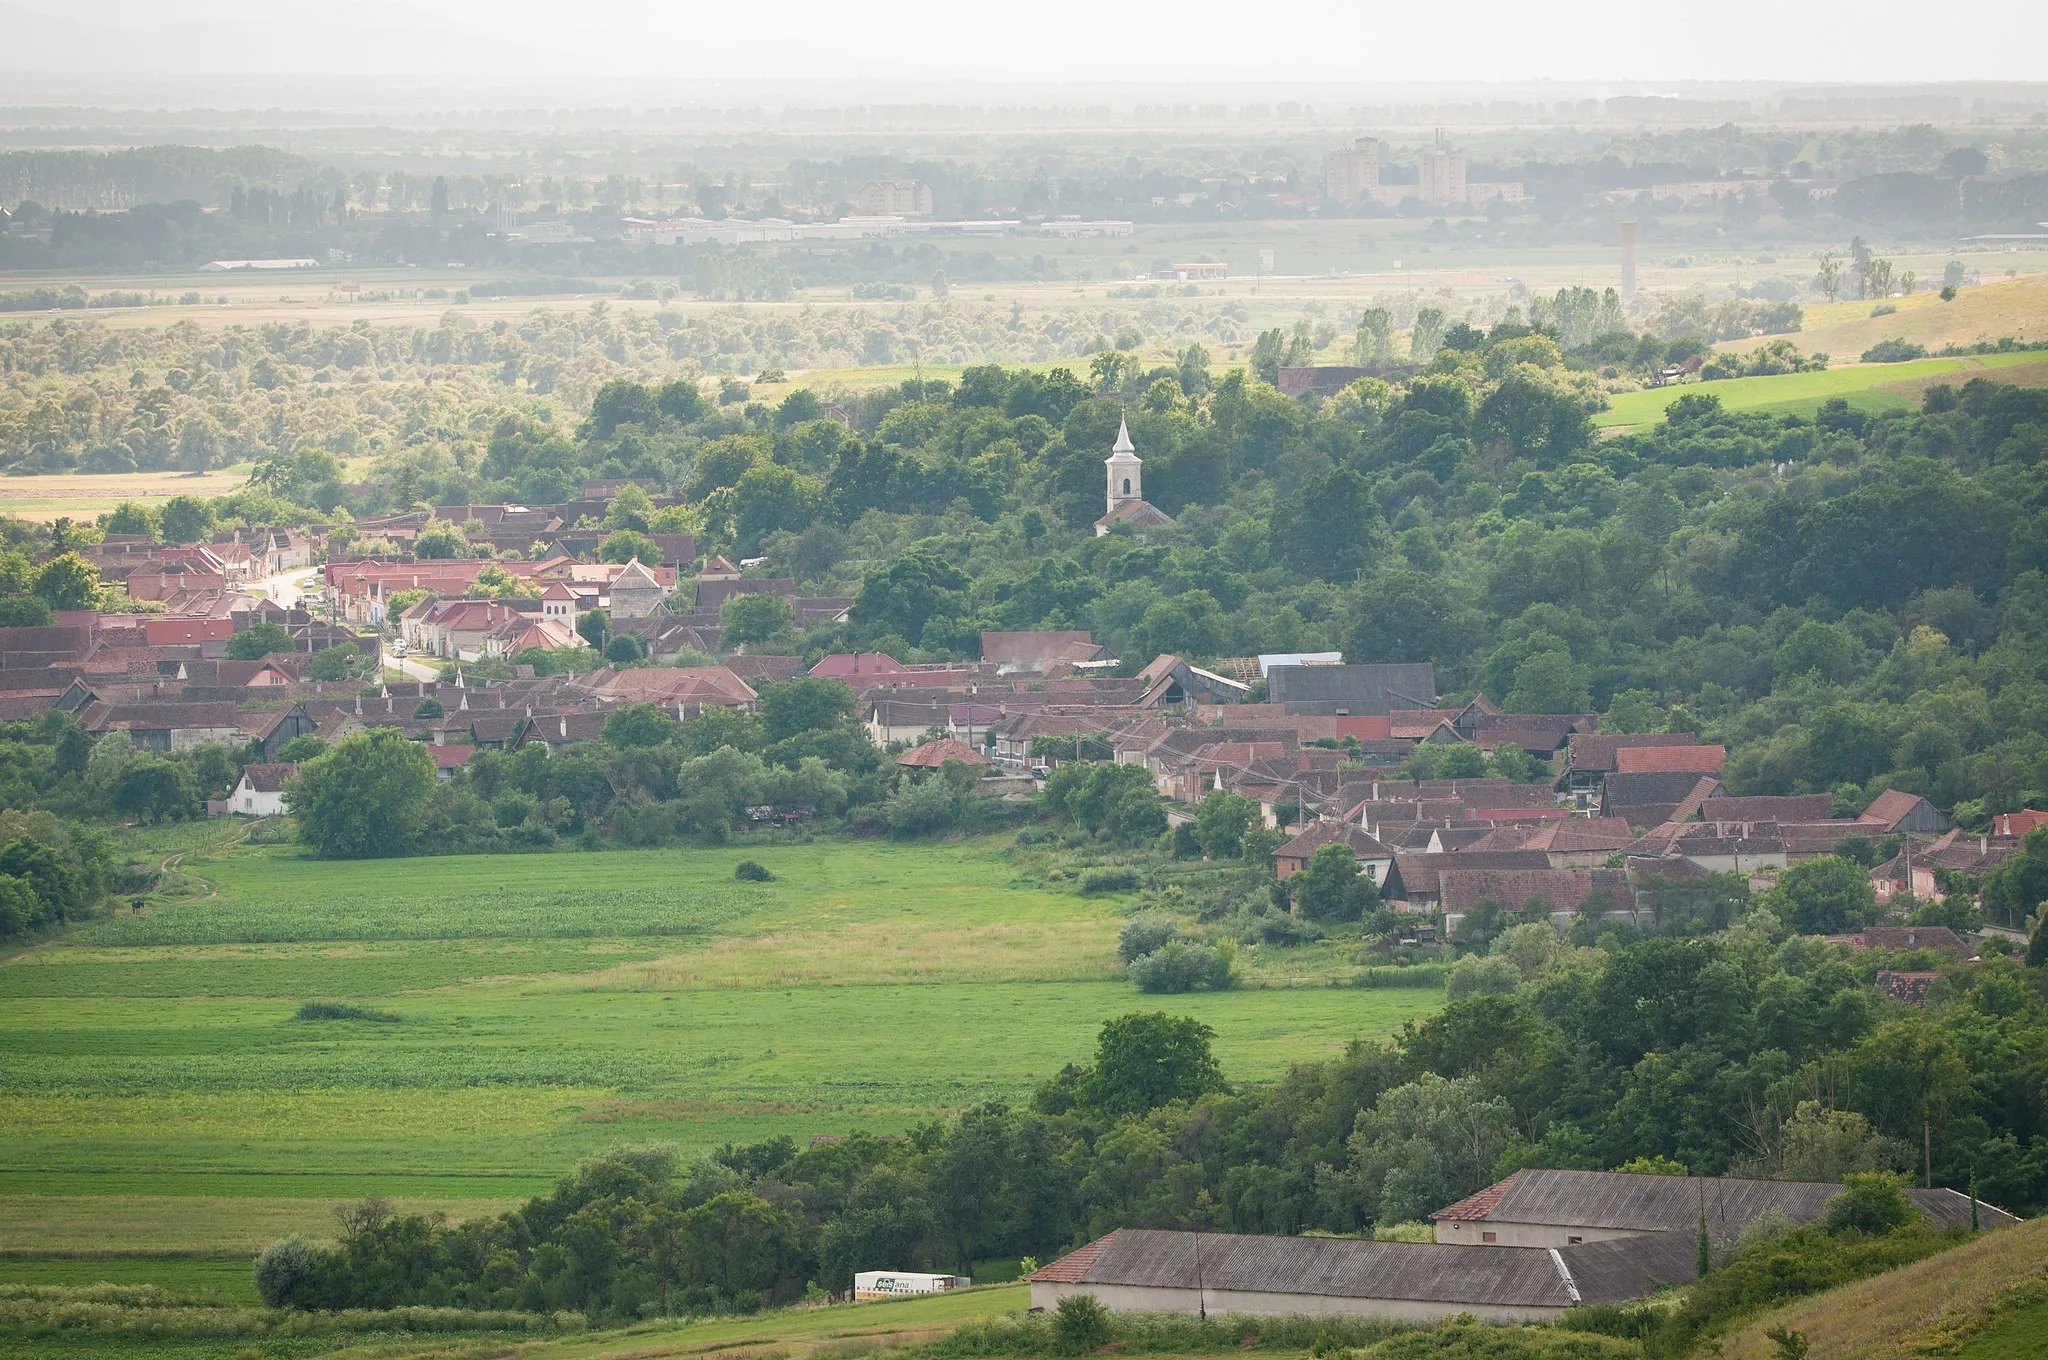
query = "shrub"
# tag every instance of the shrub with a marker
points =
(1142, 934)
(1412, 1231)
(921, 807)
(747, 871)
(1893, 351)
(1466, 1339)
(1482, 975)
(1414, 975)
(1079, 1324)
(288, 1273)
(1874, 1204)
(1265, 925)
(1186, 966)
(341, 1010)
(1109, 878)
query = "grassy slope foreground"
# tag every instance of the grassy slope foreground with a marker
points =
(1985, 1300)
(158, 1093)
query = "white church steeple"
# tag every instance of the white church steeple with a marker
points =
(1126, 474)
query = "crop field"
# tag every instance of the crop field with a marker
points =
(1867, 387)
(82, 495)
(2016, 307)
(158, 1093)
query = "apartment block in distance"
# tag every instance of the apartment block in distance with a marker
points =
(893, 198)
(1352, 173)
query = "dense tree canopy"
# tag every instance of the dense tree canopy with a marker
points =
(364, 798)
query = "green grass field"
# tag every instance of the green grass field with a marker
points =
(844, 1331)
(1863, 386)
(159, 1095)
(216, 1279)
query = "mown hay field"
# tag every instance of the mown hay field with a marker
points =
(1867, 387)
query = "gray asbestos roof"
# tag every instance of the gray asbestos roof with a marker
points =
(1673, 1204)
(1419, 1271)
(1364, 689)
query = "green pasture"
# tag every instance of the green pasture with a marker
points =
(211, 1279)
(850, 1330)
(1863, 386)
(201, 1321)
(158, 1093)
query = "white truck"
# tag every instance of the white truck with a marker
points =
(897, 1284)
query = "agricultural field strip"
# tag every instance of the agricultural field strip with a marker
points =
(832, 1330)
(1747, 394)
(519, 1052)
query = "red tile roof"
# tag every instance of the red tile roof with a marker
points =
(1473, 1208)
(1663, 759)
(933, 754)
(851, 665)
(1594, 751)
(1518, 814)
(1890, 807)
(1462, 889)
(2018, 823)
(1073, 1267)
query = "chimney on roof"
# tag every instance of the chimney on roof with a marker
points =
(565, 726)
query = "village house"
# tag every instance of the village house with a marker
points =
(1897, 811)
(2018, 823)
(1375, 859)
(260, 791)
(456, 630)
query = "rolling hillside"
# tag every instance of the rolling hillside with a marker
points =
(2016, 307)
(1987, 1300)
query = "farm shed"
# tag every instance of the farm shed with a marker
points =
(1542, 1208)
(1521, 1250)
(1144, 1270)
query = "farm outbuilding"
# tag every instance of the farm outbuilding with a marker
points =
(1522, 1250)
(1143, 1270)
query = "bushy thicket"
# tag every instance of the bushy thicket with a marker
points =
(51, 871)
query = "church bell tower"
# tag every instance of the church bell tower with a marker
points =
(1126, 473)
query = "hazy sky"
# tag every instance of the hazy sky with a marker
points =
(1623, 41)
